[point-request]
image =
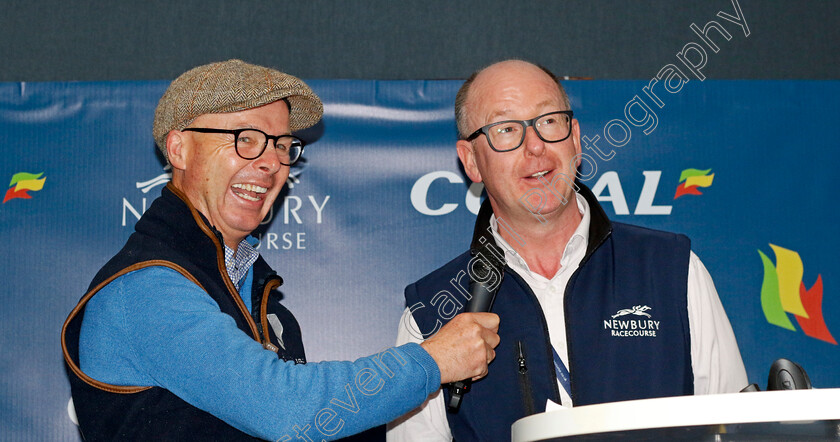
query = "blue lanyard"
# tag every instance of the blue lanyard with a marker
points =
(562, 372)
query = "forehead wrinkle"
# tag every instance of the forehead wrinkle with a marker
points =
(539, 108)
(499, 92)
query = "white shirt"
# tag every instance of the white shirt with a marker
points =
(715, 358)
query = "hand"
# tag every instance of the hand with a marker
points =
(464, 346)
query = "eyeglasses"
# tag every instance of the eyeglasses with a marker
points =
(251, 143)
(508, 135)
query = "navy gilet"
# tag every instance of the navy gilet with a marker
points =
(173, 234)
(626, 326)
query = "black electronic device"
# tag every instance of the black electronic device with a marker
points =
(784, 375)
(787, 375)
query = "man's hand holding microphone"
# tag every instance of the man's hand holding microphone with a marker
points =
(463, 347)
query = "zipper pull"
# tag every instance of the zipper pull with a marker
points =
(521, 359)
(524, 381)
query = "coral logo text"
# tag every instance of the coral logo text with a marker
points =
(607, 189)
(22, 183)
(783, 292)
(691, 180)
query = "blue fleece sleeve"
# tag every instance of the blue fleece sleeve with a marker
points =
(155, 327)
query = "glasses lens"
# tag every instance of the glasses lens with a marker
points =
(505, 136)
(553, 127)
(288, 148)
(250, 144)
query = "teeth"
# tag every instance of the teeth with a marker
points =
(251, 188)
(247, 197)
(539, 174)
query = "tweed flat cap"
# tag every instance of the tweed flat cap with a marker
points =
(232, 86)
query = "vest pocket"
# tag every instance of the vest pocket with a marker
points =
(524, 378)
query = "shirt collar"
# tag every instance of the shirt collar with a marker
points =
(238, 264)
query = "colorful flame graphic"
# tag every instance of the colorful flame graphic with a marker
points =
(691, 180)
(22, 183)
(783, 291)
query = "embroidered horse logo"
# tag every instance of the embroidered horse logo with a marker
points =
(638, 310)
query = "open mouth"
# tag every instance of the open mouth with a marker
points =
(250, 192)
(539, 177)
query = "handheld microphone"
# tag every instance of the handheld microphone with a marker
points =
(481, 300)
(482, 294)
(483, 287)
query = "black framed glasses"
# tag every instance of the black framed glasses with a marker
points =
(508, 135)
(251, 143)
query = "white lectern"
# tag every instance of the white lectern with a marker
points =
(764, 415)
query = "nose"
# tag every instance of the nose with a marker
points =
(533, 144)
(269, 161)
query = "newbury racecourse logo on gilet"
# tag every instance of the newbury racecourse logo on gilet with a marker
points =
(783, 292)
(294, 211)
(632, 322)
(607, 189)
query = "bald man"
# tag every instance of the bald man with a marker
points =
(591, 311)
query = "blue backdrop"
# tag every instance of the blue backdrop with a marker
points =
(380, 201)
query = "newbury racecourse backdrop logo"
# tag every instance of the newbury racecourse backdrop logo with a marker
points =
(783, 292)
(137, 208)
(292, 213)
(691, 180)
(22, 183)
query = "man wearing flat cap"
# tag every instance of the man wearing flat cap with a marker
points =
(182, 336)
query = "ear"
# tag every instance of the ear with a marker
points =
(177, 149)
(576, 141)
(466, 154)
